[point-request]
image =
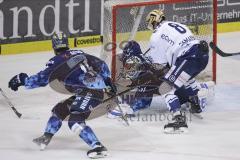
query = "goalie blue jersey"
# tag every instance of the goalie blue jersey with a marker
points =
(78, 77)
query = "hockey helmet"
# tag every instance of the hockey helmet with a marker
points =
(131, 49)
(131, 59)
(59, 42)
(154, 17)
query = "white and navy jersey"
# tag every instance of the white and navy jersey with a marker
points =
(169, 41)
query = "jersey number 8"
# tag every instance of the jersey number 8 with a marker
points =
(179, 28)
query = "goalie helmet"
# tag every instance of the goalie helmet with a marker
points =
(131, 59)
(59, 42)
(131, 49)
(154, 18)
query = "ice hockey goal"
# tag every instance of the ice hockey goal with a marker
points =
(125, 20)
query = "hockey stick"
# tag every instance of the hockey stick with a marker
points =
(146, 51)
(124, 118)
(10, 104)
(220, 52)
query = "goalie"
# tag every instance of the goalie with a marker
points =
(174, 59)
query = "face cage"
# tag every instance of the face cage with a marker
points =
(131, 70)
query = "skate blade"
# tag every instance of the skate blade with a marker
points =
(181, 130)
(41, 145)
(95, 155)
(124, 121)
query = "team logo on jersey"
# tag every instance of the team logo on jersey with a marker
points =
(49, 63)
(168, 39)
(172, 78)
(142, 89)
(91, 108)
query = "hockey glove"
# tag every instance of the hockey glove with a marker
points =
(16, 81)
(204, 46)
(158, 71)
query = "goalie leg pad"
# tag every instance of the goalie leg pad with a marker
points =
(206, 93)
(143, 97)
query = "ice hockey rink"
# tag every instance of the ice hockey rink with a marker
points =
(216, 137)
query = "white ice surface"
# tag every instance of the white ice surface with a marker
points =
(216, 137)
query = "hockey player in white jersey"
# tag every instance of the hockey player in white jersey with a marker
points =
(174, 44)
(173, 48)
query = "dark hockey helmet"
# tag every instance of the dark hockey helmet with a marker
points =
(132, 58)
(59, 42)
(131, 49)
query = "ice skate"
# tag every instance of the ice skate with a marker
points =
(195, 108)
(99, 151)
(195, 112)
(177, 125)
(43, 141)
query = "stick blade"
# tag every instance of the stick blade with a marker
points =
(220, 52)
(217, 50)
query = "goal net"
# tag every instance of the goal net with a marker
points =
(124, 20)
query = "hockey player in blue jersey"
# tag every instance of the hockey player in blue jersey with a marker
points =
(174, 62)
(88, 83)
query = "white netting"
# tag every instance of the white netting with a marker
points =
(125, 19)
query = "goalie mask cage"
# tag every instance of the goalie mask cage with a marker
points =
(124, 20)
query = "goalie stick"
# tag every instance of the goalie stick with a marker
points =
(10, 104)
(220, 52)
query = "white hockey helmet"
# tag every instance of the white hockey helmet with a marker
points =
(154, 17)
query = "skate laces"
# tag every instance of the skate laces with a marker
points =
(97, 144)
(181, 117)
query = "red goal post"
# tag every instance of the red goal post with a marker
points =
(124, 20)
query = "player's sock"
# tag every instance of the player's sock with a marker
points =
(178, 124)
(89, 137)
(98, 151)
(53, 125)
(43, 141)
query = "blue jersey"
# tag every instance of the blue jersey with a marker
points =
(75, 78)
